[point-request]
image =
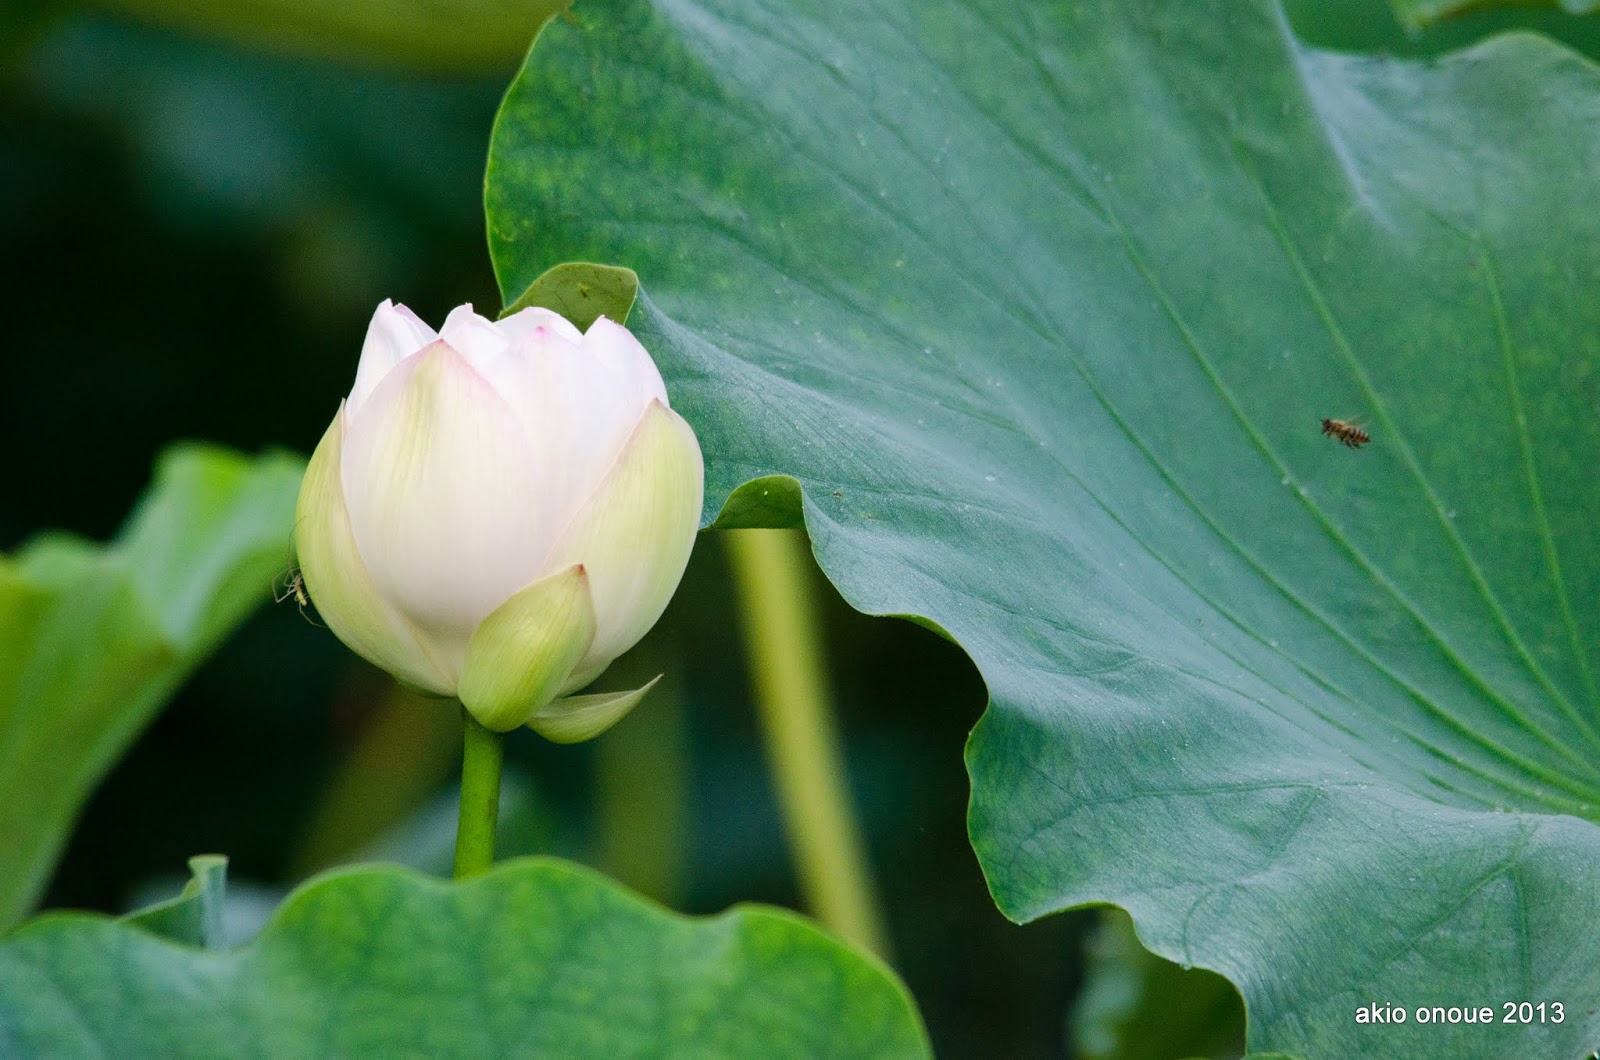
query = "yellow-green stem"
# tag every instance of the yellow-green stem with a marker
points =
(772, 575)
(482, 753)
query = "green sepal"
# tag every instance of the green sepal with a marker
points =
(574, 719)
(582, 292)
(519, 657)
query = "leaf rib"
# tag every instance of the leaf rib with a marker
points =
(1531, 766)
(1526, 831)
(911, 157)
(1102, 209)
(1546, 537)
(1511, 711)
(1044, 331)
(1408, 457)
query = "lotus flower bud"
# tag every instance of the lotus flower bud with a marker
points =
(499, 510)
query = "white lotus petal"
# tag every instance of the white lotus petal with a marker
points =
(338, 582)
(519, 326)
(476, 338)
(394, 334)
(615, 347)
(445, 509)
(576, 419)
(635, 534)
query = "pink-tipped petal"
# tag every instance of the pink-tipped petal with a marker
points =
(521, 325)
(394, 334)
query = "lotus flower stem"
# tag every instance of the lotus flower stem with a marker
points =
(784, 640)
(482, 754)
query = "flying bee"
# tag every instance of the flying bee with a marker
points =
(1347, 431)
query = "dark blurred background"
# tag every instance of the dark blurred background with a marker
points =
(196, 230)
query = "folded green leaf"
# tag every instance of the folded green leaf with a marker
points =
(1042, 306)
(194, 917)
(537, 958)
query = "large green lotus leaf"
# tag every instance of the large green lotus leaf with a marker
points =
(537, 958)
(1041, 306)
(94, 639)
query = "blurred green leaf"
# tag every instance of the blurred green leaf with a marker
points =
(1137, 1006)
(1042, 306)
(1419, 13)
(219, 137)
(21, 22)
(94, 639)
(537, 958)
(404, 751)
(459, 36)
(195, 916)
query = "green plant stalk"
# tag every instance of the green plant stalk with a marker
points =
(482, 755)
(783, 637)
